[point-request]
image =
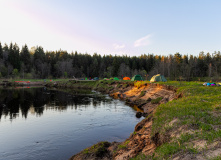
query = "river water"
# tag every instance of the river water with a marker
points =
(38, 123)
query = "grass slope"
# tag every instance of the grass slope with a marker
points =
(194, 118)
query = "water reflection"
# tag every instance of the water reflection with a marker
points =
(36, 100)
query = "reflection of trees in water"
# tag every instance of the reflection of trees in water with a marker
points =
(9, 103)
(14, 100)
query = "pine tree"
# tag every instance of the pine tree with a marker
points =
(13, 56)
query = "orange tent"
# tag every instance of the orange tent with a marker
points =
(126, 78)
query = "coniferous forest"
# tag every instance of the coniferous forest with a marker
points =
(36, 63)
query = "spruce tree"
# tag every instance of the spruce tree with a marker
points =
(25, 58)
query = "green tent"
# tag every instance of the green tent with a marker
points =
(137, 78)
(116, 79)
(158, 78)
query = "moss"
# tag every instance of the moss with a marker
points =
(98, 149)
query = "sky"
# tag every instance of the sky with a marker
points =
(117, 27)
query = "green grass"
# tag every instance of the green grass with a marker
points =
(124, 145)
(168, 149)
(196, 111)
(216, 158)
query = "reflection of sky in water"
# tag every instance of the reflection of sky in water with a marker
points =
(61, 131)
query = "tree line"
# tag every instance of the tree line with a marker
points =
(37, 63)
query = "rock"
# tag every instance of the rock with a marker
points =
(141, 105)
(138, 114)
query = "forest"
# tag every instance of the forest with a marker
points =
(37, 63)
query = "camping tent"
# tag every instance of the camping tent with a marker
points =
(96, 78)
(116, 79)
(158, 78)
(126, 78)
(137, 78)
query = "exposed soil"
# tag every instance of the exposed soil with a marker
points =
(140, 141)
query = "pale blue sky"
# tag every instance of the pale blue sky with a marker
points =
(122, 27)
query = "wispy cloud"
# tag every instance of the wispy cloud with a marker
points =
(144, 41)
(117, 46)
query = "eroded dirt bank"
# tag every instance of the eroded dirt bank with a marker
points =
(145, 99)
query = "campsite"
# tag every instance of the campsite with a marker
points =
(110, 80)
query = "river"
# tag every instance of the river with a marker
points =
(49, 124)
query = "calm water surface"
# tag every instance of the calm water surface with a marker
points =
(38, 123)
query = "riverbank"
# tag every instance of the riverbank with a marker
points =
(145, 98)
(183, 120)
(183, 125)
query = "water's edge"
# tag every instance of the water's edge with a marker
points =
(140, 140)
